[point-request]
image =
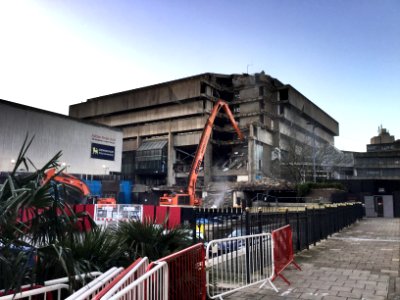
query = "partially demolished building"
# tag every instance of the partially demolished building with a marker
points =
(162, 125)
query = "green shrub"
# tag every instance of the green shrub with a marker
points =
(304, 189)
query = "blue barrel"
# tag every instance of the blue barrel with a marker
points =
(94, 187)
(125, 192)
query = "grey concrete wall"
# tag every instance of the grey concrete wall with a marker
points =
(298, 119)
(250, 92)
(138, 98)
(187, 139)
(314, 112)
(53, 133)
(250, 107)
(152, 114)
(163, 127)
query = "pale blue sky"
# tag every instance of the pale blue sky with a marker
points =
(344, 55)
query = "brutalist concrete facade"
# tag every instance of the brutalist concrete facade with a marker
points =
(269, 113)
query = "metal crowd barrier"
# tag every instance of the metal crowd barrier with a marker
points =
(38, 290)
(106, 214)
(239, 262)
(283, 251)
(186, 271)
(129, 275)
(153, 285)
(92, 288)
(45, 292)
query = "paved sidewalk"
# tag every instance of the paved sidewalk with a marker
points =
(360, 262)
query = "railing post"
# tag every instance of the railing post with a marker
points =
(307, 228)
(247, 246)
(247, 220)
(298, 245)
(313, 227)
(259, 220)
(287, 217)
(194, 225)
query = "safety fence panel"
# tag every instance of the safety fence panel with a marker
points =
(95, 286)
(48, 294)
(44, 292)
(238, 262)
(187, 277)
(153, 285)
(106, 214)
(129, 275)
(283, 254)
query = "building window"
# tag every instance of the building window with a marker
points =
(284, 95)
(281, 109)
(202, 88)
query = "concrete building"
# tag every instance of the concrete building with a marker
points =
(376, 176)
(86, 148)
(382, 159)
(162, 125)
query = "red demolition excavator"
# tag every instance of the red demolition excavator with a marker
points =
(74, 190)
(189, 198)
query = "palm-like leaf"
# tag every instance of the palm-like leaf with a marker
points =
(48, 221)
(81, 252)
(151, 240)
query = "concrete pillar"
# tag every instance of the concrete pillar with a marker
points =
(138, 143)
(171, 160)
(251, 161)
(208, 164)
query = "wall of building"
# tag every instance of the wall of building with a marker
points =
(151, 96)
(54, 132)
(178, 111)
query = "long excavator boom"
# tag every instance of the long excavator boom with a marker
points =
(190, 198)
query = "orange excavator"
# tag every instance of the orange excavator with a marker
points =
(189, 198)
(76, 191)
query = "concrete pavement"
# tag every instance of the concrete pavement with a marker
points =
(360, 262)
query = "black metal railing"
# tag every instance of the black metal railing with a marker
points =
(309, 224)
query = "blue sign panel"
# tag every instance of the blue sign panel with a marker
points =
(100, 151)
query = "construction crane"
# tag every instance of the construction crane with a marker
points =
(189, 198)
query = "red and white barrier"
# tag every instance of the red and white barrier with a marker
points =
(128, 276)
(186, 271)
(153, 285)
(44, 292)
(95, 286)
(283, 251)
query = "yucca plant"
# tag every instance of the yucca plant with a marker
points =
(80, 253)
(145, 238)
(33, 219)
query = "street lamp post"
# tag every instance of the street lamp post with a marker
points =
(314, 152)
(105, 169)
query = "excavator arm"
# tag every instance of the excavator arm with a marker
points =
(68, 180)
(82, 191)
(205, 137)
(190, 198)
